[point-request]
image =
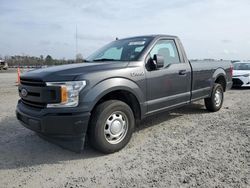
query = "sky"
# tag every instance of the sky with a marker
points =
(217, 29)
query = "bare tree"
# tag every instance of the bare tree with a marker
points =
(79, 58)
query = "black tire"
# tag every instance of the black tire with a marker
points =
(212, 103)
(99, 123)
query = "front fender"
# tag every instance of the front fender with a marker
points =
(94, 94)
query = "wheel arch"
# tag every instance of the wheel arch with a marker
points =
(116, 89)
(219, 77)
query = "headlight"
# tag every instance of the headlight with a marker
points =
(69, 93)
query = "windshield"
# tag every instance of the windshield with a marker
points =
(121, 50)
(242, 66)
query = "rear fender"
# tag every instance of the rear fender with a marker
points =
(218, 72)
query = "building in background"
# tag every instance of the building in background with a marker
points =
(3, 65)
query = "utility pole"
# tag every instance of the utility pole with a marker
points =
(76, 42)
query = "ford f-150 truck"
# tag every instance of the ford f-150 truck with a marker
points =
(120, 84)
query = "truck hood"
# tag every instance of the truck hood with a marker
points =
(71, 71)
(240, 72)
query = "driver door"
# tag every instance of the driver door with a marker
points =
(169, 86)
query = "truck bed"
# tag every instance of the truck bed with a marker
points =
(204, 73)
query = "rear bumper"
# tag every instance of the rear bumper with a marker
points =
(58, 126)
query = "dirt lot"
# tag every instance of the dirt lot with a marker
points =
(188, 147)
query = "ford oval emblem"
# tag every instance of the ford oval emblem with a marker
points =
(24, 92)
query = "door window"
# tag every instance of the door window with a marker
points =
(167, 49)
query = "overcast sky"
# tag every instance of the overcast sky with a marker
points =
(207, 28)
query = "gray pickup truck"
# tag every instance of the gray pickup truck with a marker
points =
(120, 84)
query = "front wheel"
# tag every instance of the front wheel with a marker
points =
(111, 126)
(215, 101)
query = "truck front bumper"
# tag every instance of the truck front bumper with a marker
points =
(60, 126)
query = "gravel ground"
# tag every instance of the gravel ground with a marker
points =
(188, 147)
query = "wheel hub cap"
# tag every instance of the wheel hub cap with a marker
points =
(116, 127)
(218, 98)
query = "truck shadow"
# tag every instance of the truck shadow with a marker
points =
(21, 148)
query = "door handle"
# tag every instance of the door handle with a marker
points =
(182, 72)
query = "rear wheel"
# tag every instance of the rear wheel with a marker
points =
(111, 126)
(215, 102)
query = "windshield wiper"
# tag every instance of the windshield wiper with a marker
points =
(105, 59)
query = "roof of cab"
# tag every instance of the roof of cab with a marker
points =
(153, 36)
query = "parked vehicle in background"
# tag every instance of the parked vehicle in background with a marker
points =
(3, 65)
(120, 84)
(241, 74)
(235, 61)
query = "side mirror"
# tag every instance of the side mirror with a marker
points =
(158, 61)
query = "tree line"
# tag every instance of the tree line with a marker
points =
(24, 60)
